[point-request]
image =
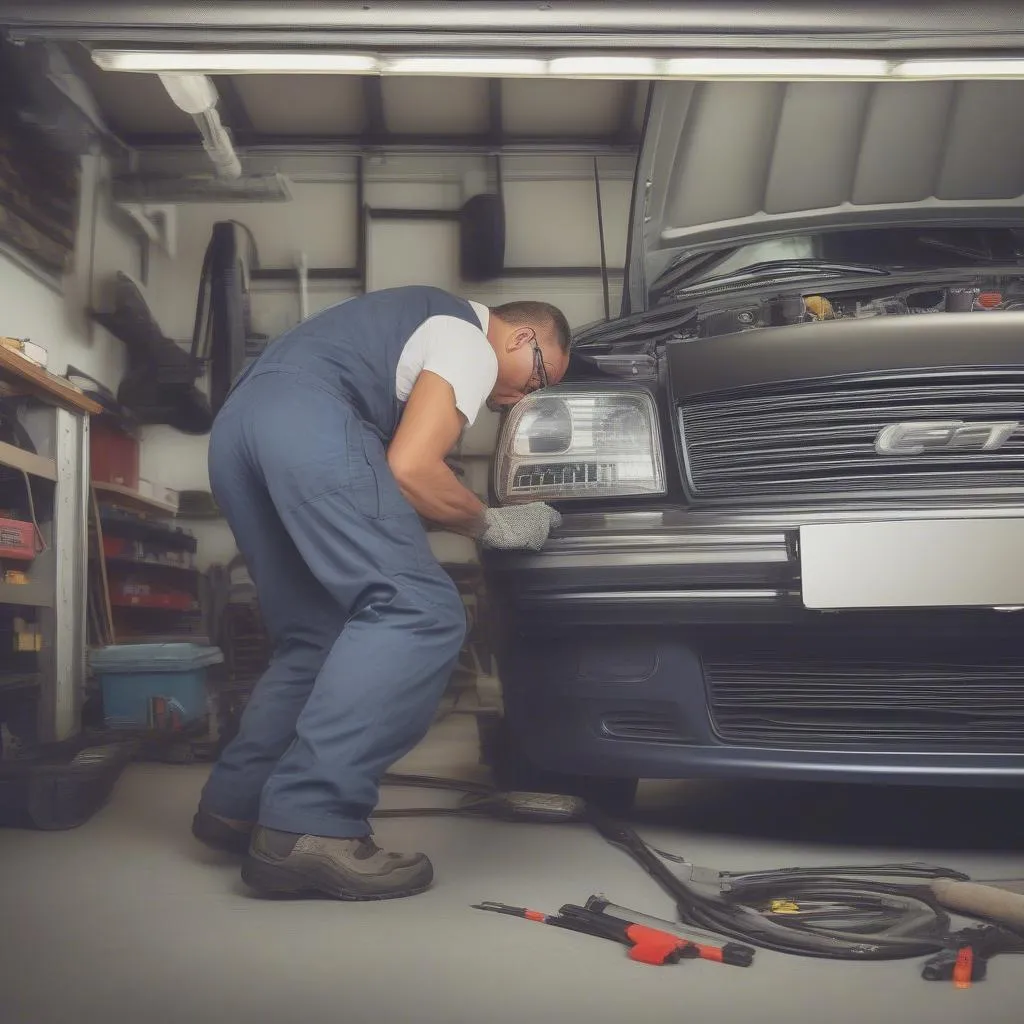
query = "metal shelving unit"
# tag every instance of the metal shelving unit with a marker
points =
(34, 465)
(56, 418)
(164, 598)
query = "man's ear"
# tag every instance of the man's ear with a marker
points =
(522, 336)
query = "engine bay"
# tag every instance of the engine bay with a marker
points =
(808, 307)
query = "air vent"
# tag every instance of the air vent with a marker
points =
(644, 727)
(920, 704)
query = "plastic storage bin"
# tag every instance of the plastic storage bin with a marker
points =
(61, 786)
(153, 686)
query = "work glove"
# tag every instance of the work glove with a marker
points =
(519, 527)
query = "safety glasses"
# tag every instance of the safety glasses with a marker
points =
(540, 372)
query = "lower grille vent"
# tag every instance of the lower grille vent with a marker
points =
(882, 703)
(644, 727)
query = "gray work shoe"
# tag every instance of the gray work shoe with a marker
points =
(282, 863)
(221, 833)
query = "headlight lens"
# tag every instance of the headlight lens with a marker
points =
(565, 443)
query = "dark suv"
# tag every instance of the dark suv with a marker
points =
(792, 472)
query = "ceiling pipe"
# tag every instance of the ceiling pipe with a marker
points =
(197, 96)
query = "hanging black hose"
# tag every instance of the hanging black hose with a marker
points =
(221, 325)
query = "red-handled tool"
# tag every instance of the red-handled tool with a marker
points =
(646, 945)
(652, 945)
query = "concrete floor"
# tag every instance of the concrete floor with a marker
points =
(128, 919)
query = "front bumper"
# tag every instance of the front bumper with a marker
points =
(610, 642)
(646, 568)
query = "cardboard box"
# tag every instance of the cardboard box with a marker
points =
(27, 349)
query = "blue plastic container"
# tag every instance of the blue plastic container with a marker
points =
(153, 686)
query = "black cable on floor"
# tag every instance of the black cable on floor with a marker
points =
(820, 912)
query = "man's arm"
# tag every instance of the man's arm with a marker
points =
(429, 429)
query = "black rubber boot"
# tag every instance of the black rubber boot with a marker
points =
(285, 864)
(222, 833)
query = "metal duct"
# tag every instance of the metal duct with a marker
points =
(197, 95)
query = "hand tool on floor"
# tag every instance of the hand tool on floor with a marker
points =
(646, 945)
(871, 912)
(655, 945)
(602, 905)
(966, 959)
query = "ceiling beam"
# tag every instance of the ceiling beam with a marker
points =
(396, 141)
(375, 124)
(234, 108)
(627, 110)
(495, 111)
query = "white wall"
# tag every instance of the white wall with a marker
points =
(54, 314)
(551, 221)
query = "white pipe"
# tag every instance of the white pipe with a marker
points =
(197, 96)
(217, 144)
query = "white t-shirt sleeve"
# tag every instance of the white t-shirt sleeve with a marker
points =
(457, 352)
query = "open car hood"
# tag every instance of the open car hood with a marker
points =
(723, 164)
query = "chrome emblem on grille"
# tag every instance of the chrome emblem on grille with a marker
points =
(916, 438)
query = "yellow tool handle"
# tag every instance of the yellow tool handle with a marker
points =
(980, 901)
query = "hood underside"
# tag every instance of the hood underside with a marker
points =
(724, 164)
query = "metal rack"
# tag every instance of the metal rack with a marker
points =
(56, 418)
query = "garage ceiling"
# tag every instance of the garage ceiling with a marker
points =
(282, 110)
(492, 113)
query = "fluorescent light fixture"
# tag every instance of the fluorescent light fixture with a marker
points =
(775, 67)
(604, 67)
(990, 67)
(749, 67)
(231, 62)
(485, 67)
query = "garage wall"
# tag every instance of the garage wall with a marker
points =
(54, 314)
(551, 221)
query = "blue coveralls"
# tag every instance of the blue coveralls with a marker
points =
(365, 625)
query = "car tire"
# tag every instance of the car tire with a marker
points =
(511, 770)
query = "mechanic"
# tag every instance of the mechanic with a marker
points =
(325, 459)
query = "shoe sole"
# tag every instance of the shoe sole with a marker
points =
(279, 880)
(220, 837)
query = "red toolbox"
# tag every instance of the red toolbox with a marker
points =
(17, 540)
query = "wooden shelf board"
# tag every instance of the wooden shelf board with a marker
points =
(125, 497)
(42, 384)
(32, 594)
(34, 465)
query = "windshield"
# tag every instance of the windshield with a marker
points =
(886, 248)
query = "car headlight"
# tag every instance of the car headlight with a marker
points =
(564, 443)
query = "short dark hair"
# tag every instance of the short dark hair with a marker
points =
(528, 313)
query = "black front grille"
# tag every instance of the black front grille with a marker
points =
(816, 439)
(886, 703)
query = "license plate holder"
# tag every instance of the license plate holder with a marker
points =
(934, 563)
